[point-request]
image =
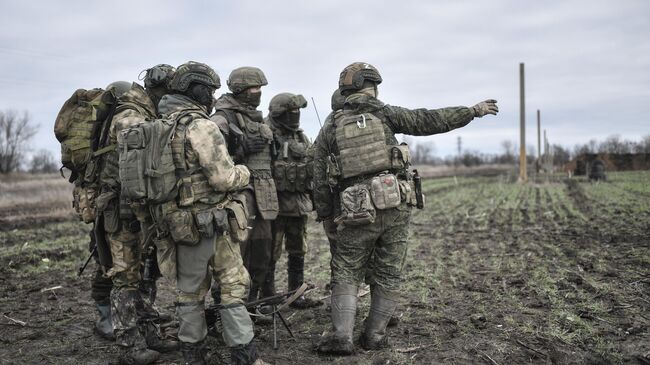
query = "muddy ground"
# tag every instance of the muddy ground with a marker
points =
(555, 271)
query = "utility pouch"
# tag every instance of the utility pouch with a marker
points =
(384, 190)
(112, 216)
(292, 175)
(204, 223)
(407, 191)
(400, 157)
(266, 198)
(279, 175)
(301, 177)
(356, 207)
(181, 227)
(84, 202)
(238, 219)
(220, 218)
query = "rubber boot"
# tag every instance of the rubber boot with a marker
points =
(295, 278)
(104, 324)
(344, 307)
(246, 355)
(134, 349)
(154, 340)
(382, 306)
(195, 353)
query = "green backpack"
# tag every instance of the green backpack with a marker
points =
(147, 169)
(81, 125)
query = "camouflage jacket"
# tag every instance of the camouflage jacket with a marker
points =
(292, 203)
(205, 147)
(134, 107)
(417, 122)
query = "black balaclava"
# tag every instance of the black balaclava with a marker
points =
(203, 94)
(290, 119)
(249, 98)
(156, 93)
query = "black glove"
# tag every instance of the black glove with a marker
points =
(254, 144)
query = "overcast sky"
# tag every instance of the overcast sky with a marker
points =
(587, 62)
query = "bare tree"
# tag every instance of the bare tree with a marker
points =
(423, 153)
(43, 162)
(15, 133)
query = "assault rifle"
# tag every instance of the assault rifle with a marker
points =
(93, 252)
(276, 302)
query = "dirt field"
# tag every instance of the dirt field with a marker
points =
(556, 271)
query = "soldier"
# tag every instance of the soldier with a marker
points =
(292, 171)
(126, 230)
(249, 141)
(369, 177)
(199, 149)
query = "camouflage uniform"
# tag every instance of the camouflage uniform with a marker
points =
(126, 229)
(249, 141)
(377, 241)
(215, 256)
(292, 172)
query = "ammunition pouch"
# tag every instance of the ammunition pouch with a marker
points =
(237, 218)
(84, 202)
(407, 191)
(291, 176)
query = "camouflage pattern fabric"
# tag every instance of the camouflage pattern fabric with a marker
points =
(292, 231)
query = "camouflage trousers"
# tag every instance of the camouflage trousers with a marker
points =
(257, 250)
(292, 231)
(375, 252)
(193, 268)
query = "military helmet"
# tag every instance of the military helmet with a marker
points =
(286, 101)
(159, 75)
(245, 77)
(190, 72)
(353, 76)
(119, 87)
(337, 100)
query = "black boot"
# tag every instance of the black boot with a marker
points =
(295, 276)
(195, 353)
(246, 355)
(382, 306)
(344, 307)
(104, 324)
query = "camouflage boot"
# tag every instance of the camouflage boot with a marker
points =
(154, 341)
(127, 333)
(104, 324)
(295, 277)
(382, 306)
(344, 307)
(194, 353)
(136, 351)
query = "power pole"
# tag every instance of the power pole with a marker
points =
(523, 176)
(539, 143)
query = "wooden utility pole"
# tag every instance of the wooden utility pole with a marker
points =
(539, 143)
(523, 176)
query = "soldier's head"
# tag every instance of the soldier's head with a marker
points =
(359, 77)
(285, 110)
(118, 87)
(246, 85)
(197, 81)
(337, 100)
(156, 81)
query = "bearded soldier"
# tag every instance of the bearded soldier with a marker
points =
(364, 171)
(249, 141)
(198, 245)
(126, 228)
(292, 171)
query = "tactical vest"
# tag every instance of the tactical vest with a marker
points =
(363, 150)
(292, 171)
(260, 161)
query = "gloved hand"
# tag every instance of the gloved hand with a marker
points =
(255, 144)
(485, 107)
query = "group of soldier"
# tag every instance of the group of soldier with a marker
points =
(230, 158)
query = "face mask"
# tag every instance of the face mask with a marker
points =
(203, 95)
(371, 91)
(290, 120)
(248, 98)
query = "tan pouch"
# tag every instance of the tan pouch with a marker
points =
(182, 228)
(384, 190)
(356, 207)
(238, 220)
(84, 203)
(407, 190)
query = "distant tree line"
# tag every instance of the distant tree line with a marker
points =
(16, 133)
(424, 152)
